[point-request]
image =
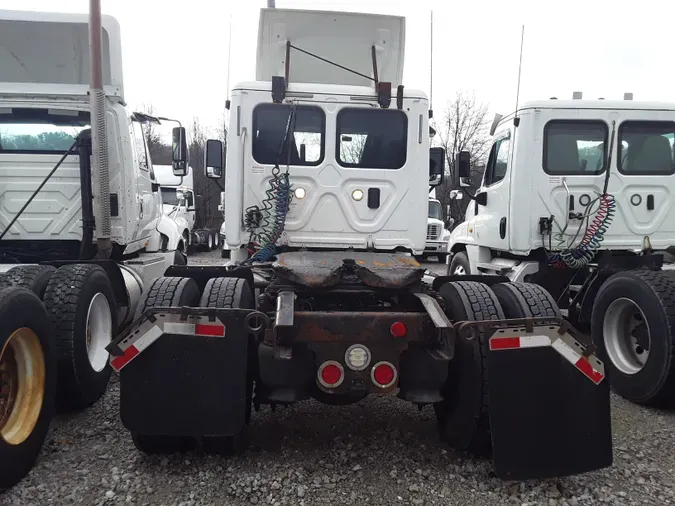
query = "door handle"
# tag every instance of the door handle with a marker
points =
(502, 228)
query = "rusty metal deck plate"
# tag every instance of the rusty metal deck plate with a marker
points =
(317, 269)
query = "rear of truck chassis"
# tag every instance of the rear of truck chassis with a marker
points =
(337, 326)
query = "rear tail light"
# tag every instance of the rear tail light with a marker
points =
(398, 329)
(331, 374)
(384, 374)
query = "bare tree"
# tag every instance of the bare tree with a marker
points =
(465, 127)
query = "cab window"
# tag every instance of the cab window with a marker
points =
(646, 147)
(372, 138)
(498, 161)
(575, 147)
(269, 130)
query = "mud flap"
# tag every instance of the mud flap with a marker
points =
(549, 405)
(181, 383)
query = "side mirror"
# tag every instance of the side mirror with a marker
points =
(462, 170)
(436, 166)
(481, 198)
(179, 152)
(213, 159)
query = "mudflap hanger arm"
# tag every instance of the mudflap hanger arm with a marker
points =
(548, 398)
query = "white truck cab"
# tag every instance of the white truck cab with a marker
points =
(438, 236)
(577, 197)
(178, 200)
(49, 224)
(358, 171)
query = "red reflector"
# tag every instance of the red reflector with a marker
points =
(504, 343)
(397, 329)
(331, 374)
(384, 374)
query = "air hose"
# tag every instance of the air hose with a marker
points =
(582, 254)
(265, 226)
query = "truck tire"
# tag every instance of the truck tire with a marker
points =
(166, 292)
(633, 326)
(459, 265)
(463, 417)
(83, 312)
(526, 300)
(169, 292)
(28, 375)
(232, 293)
(32, 277)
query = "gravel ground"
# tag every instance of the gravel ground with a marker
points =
(378, 451)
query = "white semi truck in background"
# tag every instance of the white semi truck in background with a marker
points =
(182, 205)
(438, 233)
(82, 232)
(328, 171)
(577, 198)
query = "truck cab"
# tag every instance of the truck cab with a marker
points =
(438, 236)
(178, 200)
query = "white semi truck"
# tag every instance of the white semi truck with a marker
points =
(182, 205)
(438, 235)
(576, 198)
(82, 233)
(328, 171)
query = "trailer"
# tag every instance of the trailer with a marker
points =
(575, 198)
(82, 234)
(326, 194)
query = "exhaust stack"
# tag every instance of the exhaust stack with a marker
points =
(99, 135)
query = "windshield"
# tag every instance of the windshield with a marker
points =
(169, 196)
(435, 210)
(40, 130)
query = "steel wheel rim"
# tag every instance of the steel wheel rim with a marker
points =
(459, 271)
(98, 331)
(22, 385)
(622, 317)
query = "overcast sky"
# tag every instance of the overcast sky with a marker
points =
(600, 47)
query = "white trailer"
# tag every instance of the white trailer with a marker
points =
(78, 247)
(326, 192)
(576, 197)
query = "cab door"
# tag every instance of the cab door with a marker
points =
(491, 215)
(147, 209)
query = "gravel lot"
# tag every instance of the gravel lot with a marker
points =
(379, 451)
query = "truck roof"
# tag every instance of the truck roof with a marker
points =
(47, 53)
(345, 38)
(327, 89)
(598, 104)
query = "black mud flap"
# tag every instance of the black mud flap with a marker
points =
(183, 383)
(549, 405)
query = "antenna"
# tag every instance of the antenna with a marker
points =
(516, 119)
(431, 56)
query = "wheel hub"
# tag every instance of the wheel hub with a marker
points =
(9, 381)
(22, 385)
(98, 331)
(626, 336)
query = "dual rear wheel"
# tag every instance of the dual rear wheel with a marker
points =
(218, 293)
(463, 417)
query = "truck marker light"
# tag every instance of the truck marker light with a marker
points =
(300, 193)
(357, 357)
(357, 195)
(384, 374)
(398, 329)
(331, 374)
(569, 348)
